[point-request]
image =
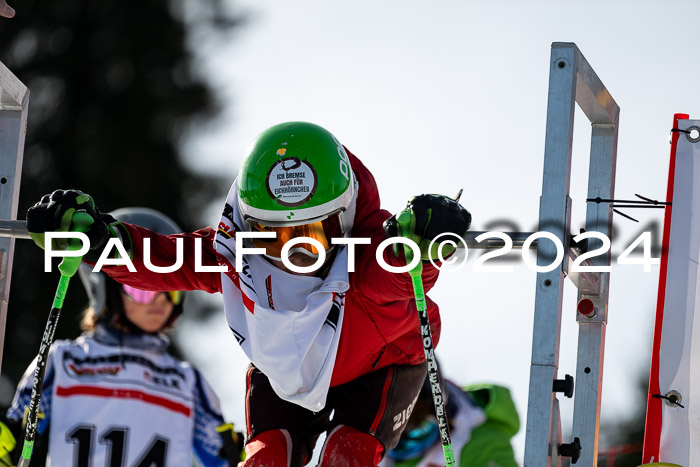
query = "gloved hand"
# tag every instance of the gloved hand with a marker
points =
(424, 218)
(232, 449)
(67, 211)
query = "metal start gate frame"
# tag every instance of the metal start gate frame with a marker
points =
(571, 81)
(14, 102)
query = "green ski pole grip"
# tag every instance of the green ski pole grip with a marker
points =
(80, 222)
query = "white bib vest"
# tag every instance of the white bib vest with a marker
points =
(118, 407)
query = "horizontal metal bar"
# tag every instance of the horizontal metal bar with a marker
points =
(16, 229)
(591, 95)
(493, 243)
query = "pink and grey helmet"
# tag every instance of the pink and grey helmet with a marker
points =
(102, 290)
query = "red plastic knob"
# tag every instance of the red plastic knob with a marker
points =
(586, 307)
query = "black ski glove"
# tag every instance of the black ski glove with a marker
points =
(55, 213)
(426, 217)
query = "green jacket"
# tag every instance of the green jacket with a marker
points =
(489, 445)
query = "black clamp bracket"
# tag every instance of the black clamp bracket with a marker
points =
(565, 385)
(572, 450)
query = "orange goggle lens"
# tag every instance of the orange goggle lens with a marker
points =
(322, 231)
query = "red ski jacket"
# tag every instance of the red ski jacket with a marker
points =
(380, 326)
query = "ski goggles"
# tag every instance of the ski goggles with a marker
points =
(416, 442)
(145, 297)
(322, 231)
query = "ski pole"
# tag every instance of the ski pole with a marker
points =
(68, 267)
(429, 350)
(46, 341)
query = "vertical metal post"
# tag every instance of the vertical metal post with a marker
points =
(591, 338)
(554, 218)
(571, 80)
(14, 101)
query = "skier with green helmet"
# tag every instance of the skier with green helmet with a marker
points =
(331, 333)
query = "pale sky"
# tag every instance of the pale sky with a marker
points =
(438, 96)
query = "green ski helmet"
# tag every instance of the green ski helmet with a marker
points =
(297, 180)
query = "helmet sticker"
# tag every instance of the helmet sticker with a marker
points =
(291, 181)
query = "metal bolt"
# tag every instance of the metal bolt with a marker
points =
(673, 398)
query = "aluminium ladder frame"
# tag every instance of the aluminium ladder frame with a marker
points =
(571, 80)
(14, 103)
